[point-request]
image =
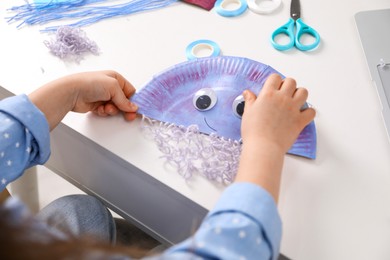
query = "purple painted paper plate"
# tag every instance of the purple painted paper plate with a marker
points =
(207, 92)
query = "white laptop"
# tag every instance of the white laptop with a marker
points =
(374, 31)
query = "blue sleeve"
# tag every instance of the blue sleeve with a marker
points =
(24, 138)
(244, 224)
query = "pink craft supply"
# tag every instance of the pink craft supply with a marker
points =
(205, 4)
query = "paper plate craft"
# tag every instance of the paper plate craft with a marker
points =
(205, 96)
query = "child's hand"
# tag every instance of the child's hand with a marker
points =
(104, 93)
(275, 117)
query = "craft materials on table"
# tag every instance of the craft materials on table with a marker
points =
(205, 4)
(221, 7)
(193, 49)
(295, 35)
(231, 8)
(71, 44)
(263, 7)
(205, 96)
(85, 11)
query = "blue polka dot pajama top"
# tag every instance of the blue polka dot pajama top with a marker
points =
(243, 225)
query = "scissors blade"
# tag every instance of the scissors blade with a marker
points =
(295, 9)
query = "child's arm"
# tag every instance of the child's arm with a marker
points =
(270, 125)
(24, 129)
(104, 93)
(245, 223)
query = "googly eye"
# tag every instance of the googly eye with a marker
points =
(204, 99)
(238, 106)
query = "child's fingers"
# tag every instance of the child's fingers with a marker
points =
(288, 86)
(100, 111)
(130, 116)
(307, 116)
(249, 97)
(301, 95)
(111, 109)
(273, 82)
(119, 99)
(127, 88)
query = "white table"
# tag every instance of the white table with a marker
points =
(334, 207)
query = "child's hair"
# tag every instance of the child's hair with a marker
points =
(23, 242)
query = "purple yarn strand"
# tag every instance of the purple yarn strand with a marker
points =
(193, 153)
(71, 44)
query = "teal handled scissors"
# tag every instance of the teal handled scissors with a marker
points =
(295, 33)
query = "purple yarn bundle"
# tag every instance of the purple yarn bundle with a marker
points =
(192, 152)
(71, 44)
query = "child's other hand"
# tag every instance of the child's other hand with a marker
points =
(275, 117)
(104, 93)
